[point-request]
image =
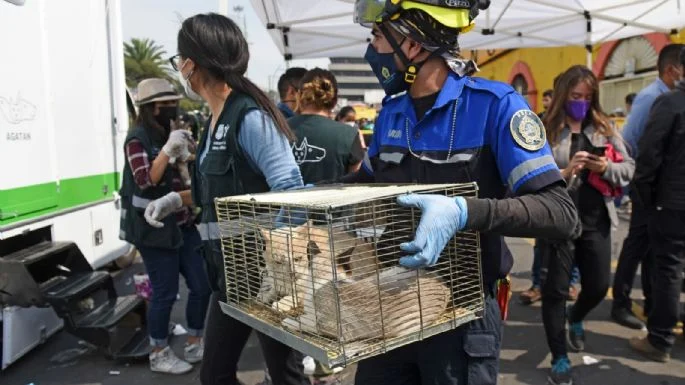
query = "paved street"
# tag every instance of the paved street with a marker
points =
(524, 358)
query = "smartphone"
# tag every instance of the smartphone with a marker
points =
(598, 150)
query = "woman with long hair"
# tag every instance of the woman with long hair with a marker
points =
(172, 249)
(595, 164)
(324, 149)
(244, 149)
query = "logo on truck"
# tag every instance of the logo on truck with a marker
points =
(17, 110)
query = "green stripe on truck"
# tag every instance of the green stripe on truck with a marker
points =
(31, 202)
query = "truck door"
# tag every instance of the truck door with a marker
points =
(28, 173)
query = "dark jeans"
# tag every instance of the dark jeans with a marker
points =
(667, 240)
(592, 253)
(635, 251)
(467, 355)
(225, 339)
(537, 265)
(163, 266)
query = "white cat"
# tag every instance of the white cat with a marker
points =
(392, 303)
(298, 259)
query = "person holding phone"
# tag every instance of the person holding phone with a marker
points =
(595, 164)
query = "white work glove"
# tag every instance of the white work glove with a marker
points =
(160, 208)
(177, 145)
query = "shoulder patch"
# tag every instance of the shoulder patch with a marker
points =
(527, 130)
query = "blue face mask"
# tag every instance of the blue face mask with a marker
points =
(385, 69)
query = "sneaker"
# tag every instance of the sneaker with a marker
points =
(627, 318)
(572, 293)
(576, 337)
(530, 296)
(643, 346)
(165, 361)
(193, 352)
(560, 374)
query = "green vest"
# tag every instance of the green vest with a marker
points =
(225, 171)
(133, 226)
(322, 149)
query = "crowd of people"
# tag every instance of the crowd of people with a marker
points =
(552, 177)
(599, 165)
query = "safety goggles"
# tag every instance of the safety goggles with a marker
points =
(450, 13)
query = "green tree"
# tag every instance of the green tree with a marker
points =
(143, 58)
(186, 104)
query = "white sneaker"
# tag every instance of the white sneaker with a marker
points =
(194, 352)
(165, 361)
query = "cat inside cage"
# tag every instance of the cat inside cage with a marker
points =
(329, 274)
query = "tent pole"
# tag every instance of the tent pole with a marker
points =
(588, 40)
(223, 7)
(588, 58)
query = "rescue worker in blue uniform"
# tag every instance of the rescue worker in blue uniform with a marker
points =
(448, 127)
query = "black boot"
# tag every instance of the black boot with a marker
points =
(627, 318)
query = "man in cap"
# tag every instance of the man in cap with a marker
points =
(439, 125)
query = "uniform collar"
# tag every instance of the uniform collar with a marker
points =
(286, 110)
(661, 86)
(450, 91)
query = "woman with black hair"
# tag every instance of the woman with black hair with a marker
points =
(244, 149)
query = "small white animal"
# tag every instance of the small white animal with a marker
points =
(298, 259)
(394, 303)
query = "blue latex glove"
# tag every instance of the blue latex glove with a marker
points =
(291, 217)
(442, 217)
(294, 216)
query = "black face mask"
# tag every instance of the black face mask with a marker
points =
(166, 115)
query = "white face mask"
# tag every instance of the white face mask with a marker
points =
(351, 124)
(186, 84)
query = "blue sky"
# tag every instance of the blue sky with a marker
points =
(160, 20)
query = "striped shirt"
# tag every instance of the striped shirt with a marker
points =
(140, 166)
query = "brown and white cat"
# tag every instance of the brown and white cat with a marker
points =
(298, 259)
(393, 303)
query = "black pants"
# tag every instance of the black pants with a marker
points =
(468, 355)
(225, 339)
(592, 254)
(667, 239)
(635, 251)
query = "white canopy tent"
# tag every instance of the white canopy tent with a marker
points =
(324, 28)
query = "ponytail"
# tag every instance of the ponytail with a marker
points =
(242, 84)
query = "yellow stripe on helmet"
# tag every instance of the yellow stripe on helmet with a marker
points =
(449, 17)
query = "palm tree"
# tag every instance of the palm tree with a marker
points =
(143, 58)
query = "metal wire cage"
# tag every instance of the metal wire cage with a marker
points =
(317, 269)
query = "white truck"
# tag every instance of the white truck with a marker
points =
(63, 119)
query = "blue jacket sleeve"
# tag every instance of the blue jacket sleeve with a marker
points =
(512, 127)
(542, 207)
(269, 151)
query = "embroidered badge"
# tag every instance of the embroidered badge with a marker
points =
(527, 130)
(221, 132)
